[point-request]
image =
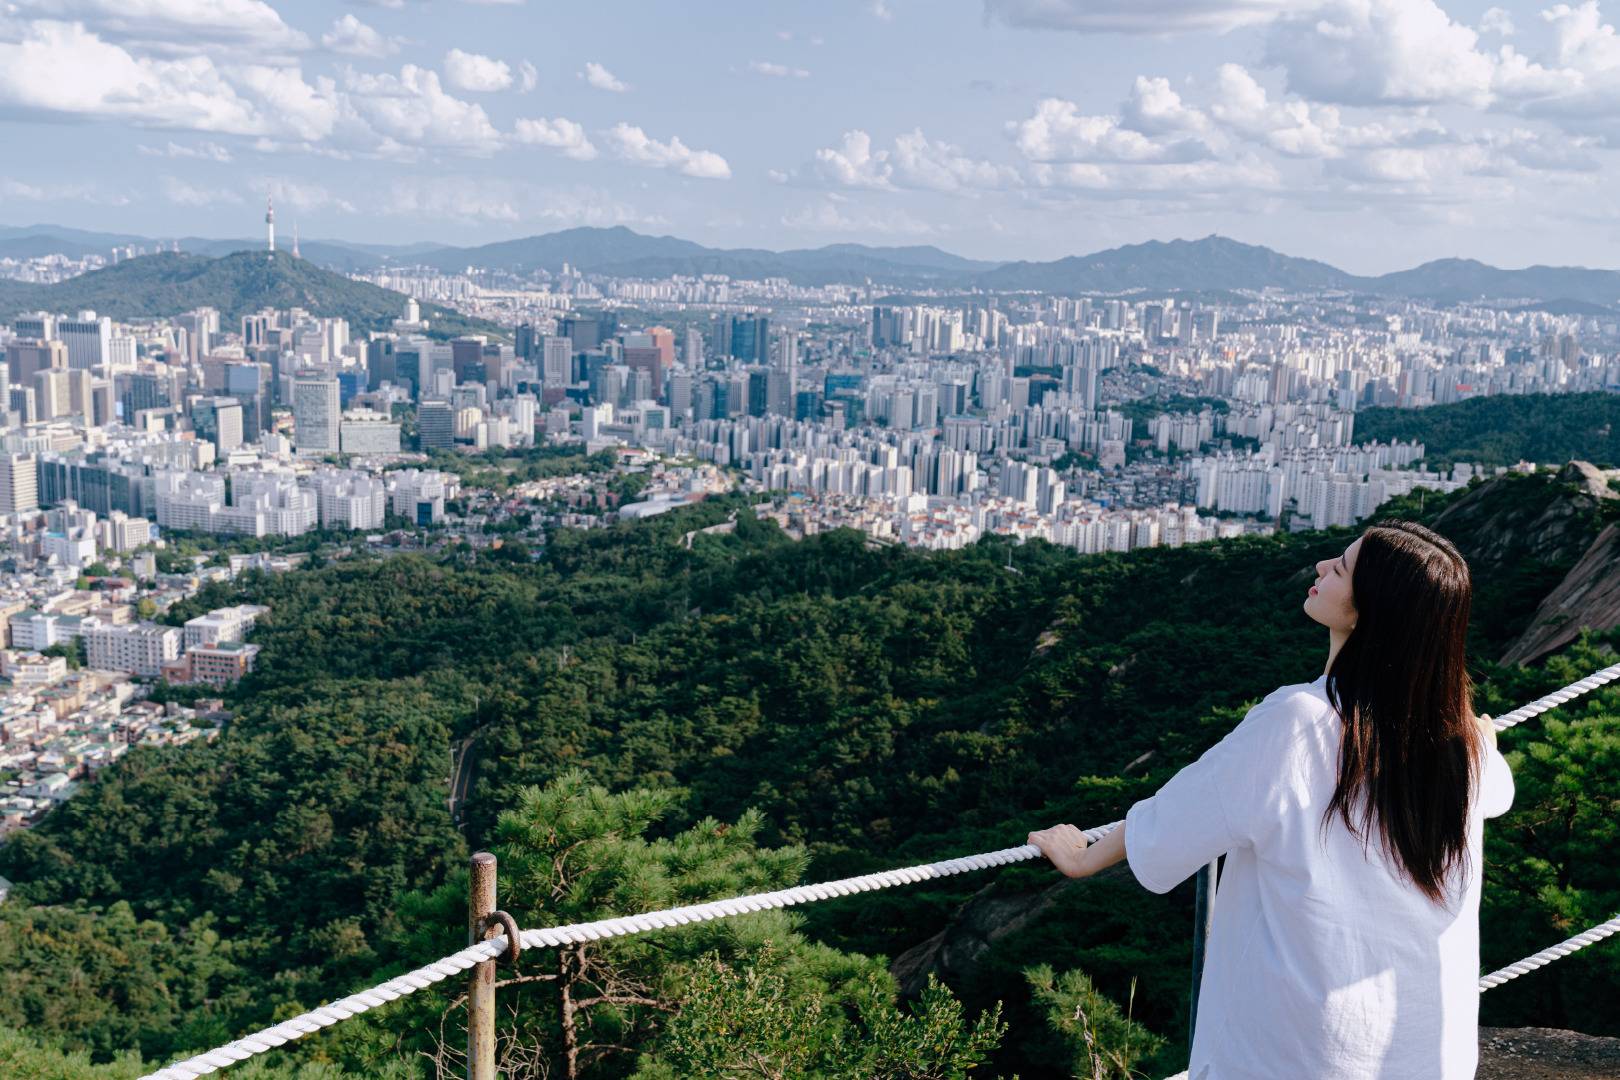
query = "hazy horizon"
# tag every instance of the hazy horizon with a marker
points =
(1369, 134)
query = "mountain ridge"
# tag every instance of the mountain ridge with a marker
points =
(1213, 262)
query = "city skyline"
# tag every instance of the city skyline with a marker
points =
(1370, 134)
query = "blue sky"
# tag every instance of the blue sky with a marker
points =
(1370, 133)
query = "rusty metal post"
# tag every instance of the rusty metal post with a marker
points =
(481, 983)
(1203, 920)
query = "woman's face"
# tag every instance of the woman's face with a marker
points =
(1330, 601)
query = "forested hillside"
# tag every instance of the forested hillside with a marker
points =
(1506, 428)
(755, 711)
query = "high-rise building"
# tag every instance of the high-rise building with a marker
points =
(53, 394)
(19, 483)
(88, 339)
(40, 326)
(219, 420)
(317, 413)
(26, 356)
(750, 338)
(557, 361)
(435, 425)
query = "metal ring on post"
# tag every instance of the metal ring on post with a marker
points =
(509, 926)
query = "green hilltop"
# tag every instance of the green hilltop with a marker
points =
(238, 284)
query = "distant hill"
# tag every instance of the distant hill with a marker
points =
(236, 284)
(623, 251)
(1465, 279)
(1211, 266)
(1506, 428)
(1211, 263)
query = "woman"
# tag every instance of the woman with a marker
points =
(1350, 811)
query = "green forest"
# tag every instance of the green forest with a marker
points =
(170, 283)
(1505, 429)
(649, 724)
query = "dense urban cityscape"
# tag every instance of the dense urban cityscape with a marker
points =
(1098, 423)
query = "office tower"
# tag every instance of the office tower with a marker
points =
(557, 359)
(524, 342)
(269, 229)
(317, 413)
(19, 491)
(201, 327)
(692, 353)
(88, 339)
(219, 420)
(40, 326)
(646, 353)
(750, 338)
(52, 394)
(248, 384)
(256, 329)
(435, 425)
(680, 393)
(22, 404)
(28, 356)
(380, 365)
(467, 358)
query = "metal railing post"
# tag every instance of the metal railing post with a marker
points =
(481, 982)
(1203, 919)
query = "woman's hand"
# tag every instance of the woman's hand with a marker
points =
(1490, 728)
(1065, 845)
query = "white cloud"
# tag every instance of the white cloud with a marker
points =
(1357, 52)
(915, 162)
(630, 143)
(853, 163)
(1153, 108)
(413, 110)
(1156, 17)
(467, 199)
(1166, 180)
(528, 76)
(475, 72)
(1497, 21)
(204, 151)
(66, 70)
(777, 71)
(880, 10)
(602, 79)
(182, 193)
(922, 163)
(559, 134)
(1297, 128)
(829, 217)
(351, 37)
(392, 5)
(303, 195)
(21, 191)
(483, 200)
(1059, 132)
(177, 27)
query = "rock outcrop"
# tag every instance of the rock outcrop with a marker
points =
(1587, 598)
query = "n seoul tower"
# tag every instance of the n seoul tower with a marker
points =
(270, 228)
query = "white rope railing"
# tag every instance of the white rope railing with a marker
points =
(578, 933)
(1548, 955)
(326, 1015)
(1558, 697)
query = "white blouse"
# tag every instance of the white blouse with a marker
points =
(1323, 961)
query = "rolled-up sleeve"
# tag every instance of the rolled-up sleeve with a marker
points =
(1497, 786)
(1212, 805)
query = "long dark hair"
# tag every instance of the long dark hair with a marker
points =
(1412, 750)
